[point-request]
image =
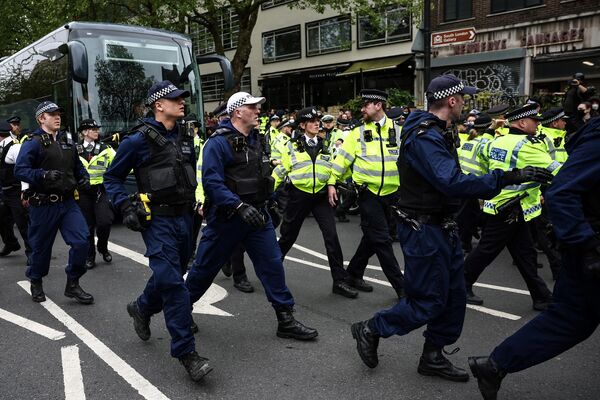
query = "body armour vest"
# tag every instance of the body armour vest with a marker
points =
(249, 175)
(7, 171)
(168, 176)
(57, 155)
(416, 193)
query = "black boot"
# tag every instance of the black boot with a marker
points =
(433, 363)
(106, 256)
(227, 271)
(37, 291)
(243, 285)
(488, 375)
(195, 365)
(90, 262)
(341, 287)
(367, 342)
(472, 298)
(359, 284)
(141, 323)
(73, 290)
(194, 328)
(9, 248)
(288, 327)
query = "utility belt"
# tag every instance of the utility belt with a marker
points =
(167, 210)
(42, 199)
(416, 219)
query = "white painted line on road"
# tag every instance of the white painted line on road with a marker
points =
(72, 373)
(125, 252)
(485, 310)
(324, 257)
(495, 313)
(32, 326)
(502, 288)
(131, 376)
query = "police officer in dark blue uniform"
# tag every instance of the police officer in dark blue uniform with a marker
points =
(163, 160)
(49, 162)
(574, 210)
(236, 177)
(430, 191)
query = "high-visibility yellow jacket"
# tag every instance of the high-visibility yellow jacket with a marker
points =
(102, 156)
(555, 142)
(372, 156)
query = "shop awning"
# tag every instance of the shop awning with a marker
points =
(376, 65)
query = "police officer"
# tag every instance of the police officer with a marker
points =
(236, 177)
(432, 184)
(96, 158)
(15, 126)
(508, 212)
(11, 210)
(332, 134)
(48, 161)
(307, 164)
(553, 126)
(272, 131)
(279, 143)
(575, 314)
(371, 151)
(163, 160)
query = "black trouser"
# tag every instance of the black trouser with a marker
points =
(300, 204)
(237, 264)
(515, 236)
(14, 213)
(374, 222)
(99, 217)
(539, 231)
(467, 220)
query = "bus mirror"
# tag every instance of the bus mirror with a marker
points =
(225, 67)
(78, 60)
(51, 51)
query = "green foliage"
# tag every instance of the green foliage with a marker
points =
(354, 105)
(397, 97)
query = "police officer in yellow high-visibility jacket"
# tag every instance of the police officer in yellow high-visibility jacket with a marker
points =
(95, 207)
(508, 212)
(371, 150)
(306, 162)
(553, 130)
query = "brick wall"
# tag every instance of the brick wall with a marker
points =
(482, 17)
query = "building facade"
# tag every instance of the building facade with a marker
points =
(518, 47)
(302, 57)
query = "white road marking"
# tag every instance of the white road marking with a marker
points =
(502, 288)
(214, 294)
(32, 326)
(490, 311)
(324, 257)
(131, 376)
(72, 373)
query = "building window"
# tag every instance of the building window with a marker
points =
(280, 45)
(393, 25)
(455, 10)
(328, 35)
(213, 86)
(274, 3)
(229, 28)
(509, 5)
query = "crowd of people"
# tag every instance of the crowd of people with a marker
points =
(432, 180)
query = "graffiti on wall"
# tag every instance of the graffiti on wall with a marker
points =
(494, 77)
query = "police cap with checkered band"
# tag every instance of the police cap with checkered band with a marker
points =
(373, 96)
(47, 107)
(553, 114)
(241, 99)
(165, 90)
(447, 85)
(525, 111)
(307, 114)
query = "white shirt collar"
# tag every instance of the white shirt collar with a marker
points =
(382, 121)
(86, 143)
(315, 138)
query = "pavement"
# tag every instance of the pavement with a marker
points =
(60, 349)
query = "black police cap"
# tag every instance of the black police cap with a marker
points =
(497, 110)
(307, 114)
(165, 90)
(220, 110)
(14, 119)
(5, 128)
(373, 95)
(47, 107)
(447, 85)
(553, 114)
(525, 111)
(395, 113)
(89, 124)
(343, 122)
(483, 121)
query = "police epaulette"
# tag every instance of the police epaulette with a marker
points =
(220, 131)
(534, 139)
(542, 136)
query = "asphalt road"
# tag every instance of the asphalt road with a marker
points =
(93, 351)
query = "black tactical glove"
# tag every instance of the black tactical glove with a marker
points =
(273, 210)
(84, 184)
(591, 260)
(250, 215)
(527, 174)
(53, 175)
(131, 216)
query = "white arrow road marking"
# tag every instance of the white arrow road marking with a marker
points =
(72, 373)
(485, 310)
(32, 326)
(214, 294)
(131, 376)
